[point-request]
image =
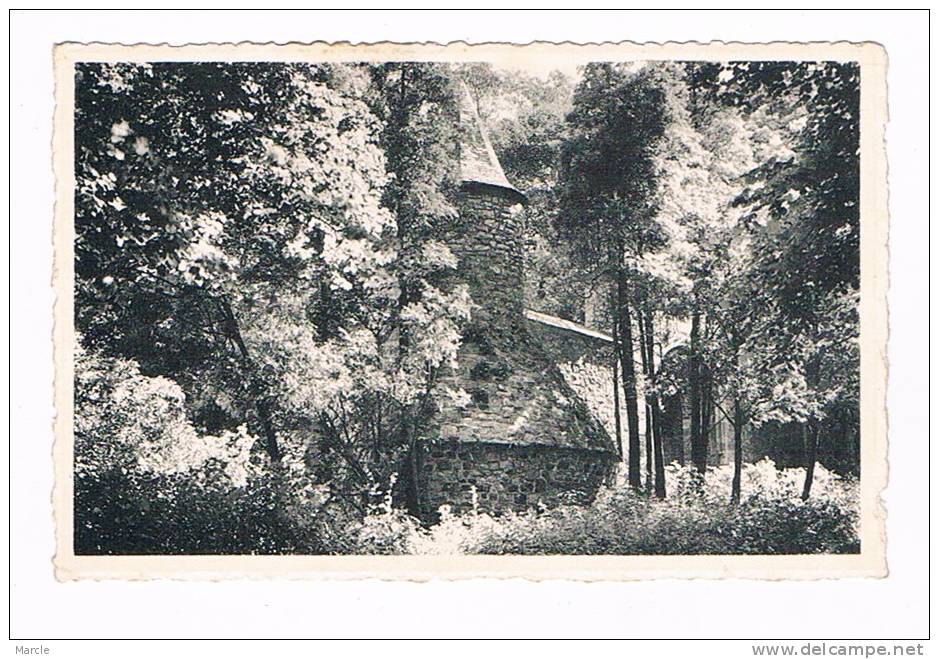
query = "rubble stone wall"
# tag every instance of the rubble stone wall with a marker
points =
(504, 477)
(512, 433)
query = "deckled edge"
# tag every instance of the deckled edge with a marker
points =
(874, 329)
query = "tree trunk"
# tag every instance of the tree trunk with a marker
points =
(407, 435)
(738, 452)
(707, 414)
(674, 430)
(616, 411)
(655, 410)
(659, 454)
(811, 451)
(811, 455)
(644, 345)
(629, 380)
(414, 464)
(265, 415)
(258, 387)
(698, 455)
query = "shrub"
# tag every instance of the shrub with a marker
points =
(146, 482)
(770, 519)
(117, 514)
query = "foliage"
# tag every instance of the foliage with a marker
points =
(771, 519)
(146, 481)
(264, 298)
(814, 195)
(239, 231)
(802, 213)
(608, 161)
(138, 425)
(805, 213)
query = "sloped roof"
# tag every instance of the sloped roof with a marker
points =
(478, 162)
(568, 325)
(518, 396)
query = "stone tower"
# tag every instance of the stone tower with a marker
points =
(526, 437)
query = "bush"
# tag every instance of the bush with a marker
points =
(116, 514)
(770, 519)
(147, 483)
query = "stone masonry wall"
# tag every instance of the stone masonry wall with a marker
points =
(513, 428)
(508, 477)
(586, 364)
(517, 394)
(487, 240)
(513, 394)
(593, 383)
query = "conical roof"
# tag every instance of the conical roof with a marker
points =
(478, 162)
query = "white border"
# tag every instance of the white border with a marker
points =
(873, 324)
(42, 608)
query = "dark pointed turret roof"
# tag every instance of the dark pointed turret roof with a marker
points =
(479, 165)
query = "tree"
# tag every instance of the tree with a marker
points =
(809, 251)
(233, 235)
(609, 196)
(415, 104)
(196, 193)
(746, 266)
(146, 480)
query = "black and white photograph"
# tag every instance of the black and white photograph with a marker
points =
(531, 325)
(507, 307)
